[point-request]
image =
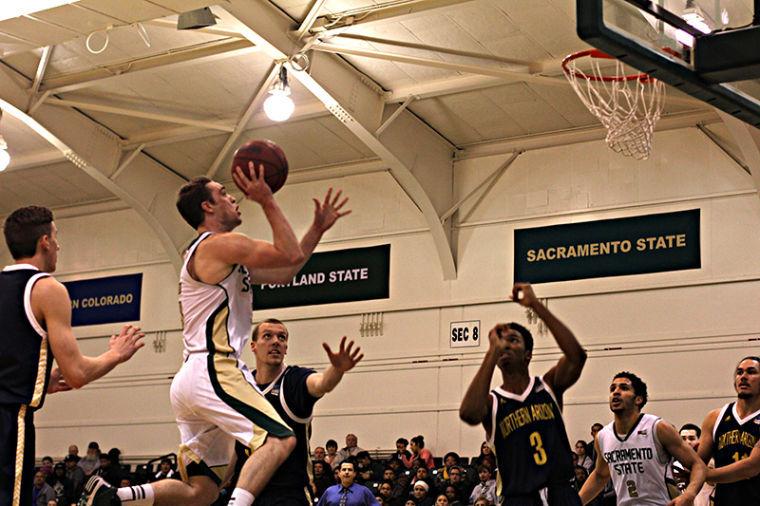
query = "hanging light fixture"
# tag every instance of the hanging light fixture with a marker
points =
(278, 106)
(5, 157)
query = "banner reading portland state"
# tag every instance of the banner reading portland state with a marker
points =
(333, 276)
(616, 247)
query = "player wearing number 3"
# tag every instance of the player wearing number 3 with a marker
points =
(522, 418)
(637, 451)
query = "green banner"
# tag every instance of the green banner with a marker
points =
(333, 276)
(616, 247)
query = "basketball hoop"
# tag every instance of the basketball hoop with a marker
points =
(628, 105)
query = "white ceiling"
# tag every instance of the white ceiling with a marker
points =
(144, 94)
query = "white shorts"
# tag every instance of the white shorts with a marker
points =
(217, 403)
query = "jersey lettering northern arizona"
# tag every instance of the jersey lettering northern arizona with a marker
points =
(733, 440)
(639, 465)
(530, 441)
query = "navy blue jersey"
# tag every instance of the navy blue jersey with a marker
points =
(530, 441)
(290, 397)
(733, 440)
(25, 357)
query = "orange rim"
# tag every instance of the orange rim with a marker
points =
(595, 53)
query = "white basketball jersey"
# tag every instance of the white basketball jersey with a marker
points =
(639, 465)
(215, 318)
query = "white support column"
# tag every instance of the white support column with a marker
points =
(747, 138)
(424, 171)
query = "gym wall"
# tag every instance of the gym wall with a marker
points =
(681, 331)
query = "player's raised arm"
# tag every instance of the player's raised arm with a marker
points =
(569, 367)
(599, 477)
(476, 402)
(326, 213)
(341, 361)
(674, 445)
(52, 306)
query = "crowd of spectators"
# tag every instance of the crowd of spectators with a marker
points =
(409, 476)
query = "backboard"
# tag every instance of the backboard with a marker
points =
(696, 46)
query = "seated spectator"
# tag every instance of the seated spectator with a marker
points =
(367, 470)
(420, 494)
(332, 452)
(485, 453)
(580, 477)
(323, 477)
(109, 472)
(449, 460)
(350, 450)
(483, 501)
(42, 493)
(456, 480)
(64, 492)
(583, 459)
(91, 461)
(419, 451)
(422, 473)
(400, 483)
(410, 502)
(404, 455)
(385, 492)
(75, 474)
(52, 503)
(453, 495)
(486, 487)
(73, 452)
(441, 500)
(319, 453)
(165, 470)
(47, 466)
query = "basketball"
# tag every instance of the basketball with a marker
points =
(267, 153)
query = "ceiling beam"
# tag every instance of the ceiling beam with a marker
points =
(343, 21)
(576, 135)
(172, 135)
(747, 138)
(493, 71)
(195, 54)
(135, 113)
(258, 98)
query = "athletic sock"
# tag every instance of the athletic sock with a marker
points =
(241, 497)
(139, 495)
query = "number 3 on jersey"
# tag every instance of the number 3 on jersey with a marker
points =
(540, 454)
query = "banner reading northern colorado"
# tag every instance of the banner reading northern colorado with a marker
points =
(616, 247)
(333, 276)
(105, 300)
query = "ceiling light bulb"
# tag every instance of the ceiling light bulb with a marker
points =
(279, 106)
(5, 159)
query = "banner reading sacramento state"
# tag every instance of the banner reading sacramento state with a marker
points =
(333, 276)
(617, 247)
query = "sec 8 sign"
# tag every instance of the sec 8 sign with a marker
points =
(465, 334)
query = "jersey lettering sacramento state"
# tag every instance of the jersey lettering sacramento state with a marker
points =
(640, 466)
(733, 440)
(530, 441)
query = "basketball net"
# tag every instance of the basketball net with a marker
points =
(627, 105)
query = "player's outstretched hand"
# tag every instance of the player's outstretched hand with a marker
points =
(57, 382)
(126, 344)
(345, 358)
(255, 187)
(327, 212)
(523, 294)
(684, 499)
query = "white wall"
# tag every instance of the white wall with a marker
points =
(681, 331)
